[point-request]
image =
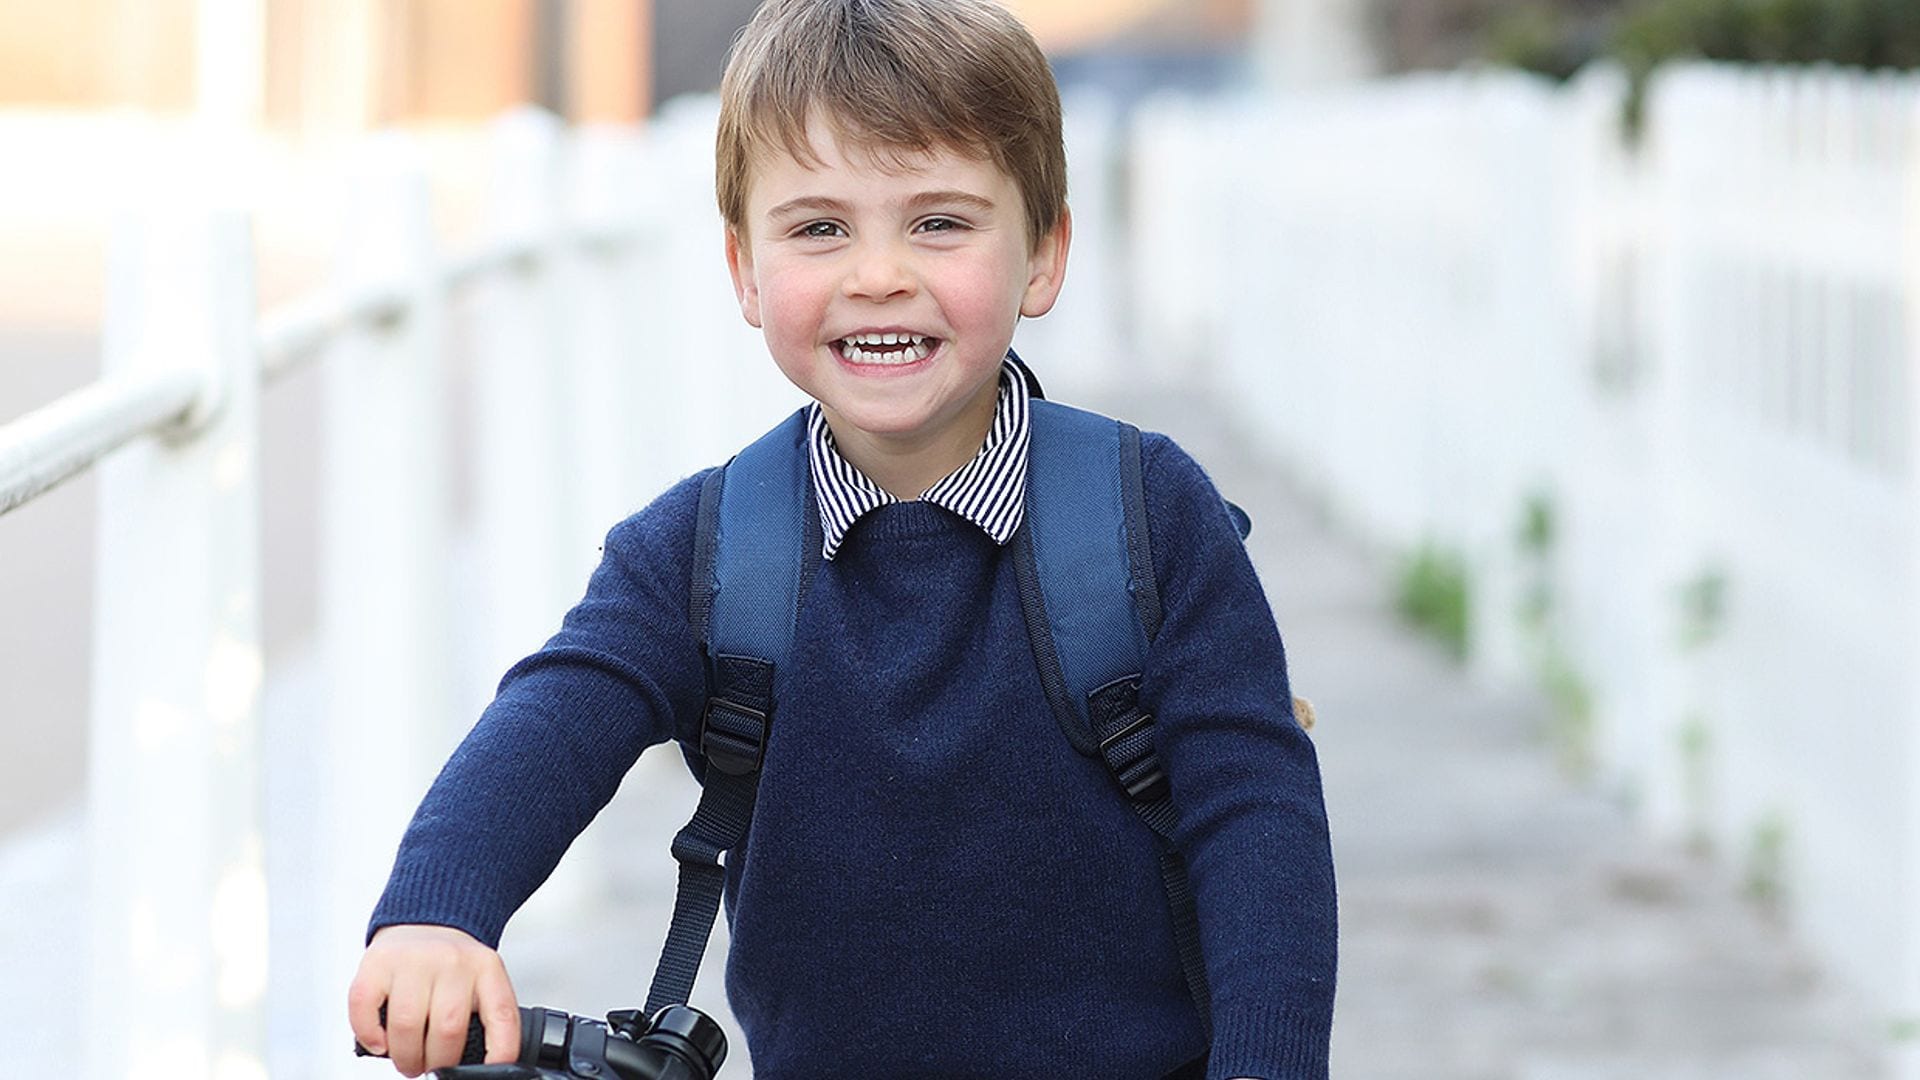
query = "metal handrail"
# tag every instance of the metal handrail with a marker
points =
(60, 440)
(293, 334)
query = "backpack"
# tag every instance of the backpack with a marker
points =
(1084, 568)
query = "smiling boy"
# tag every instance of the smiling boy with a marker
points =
(935, 883)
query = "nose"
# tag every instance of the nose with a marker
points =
(879, 271)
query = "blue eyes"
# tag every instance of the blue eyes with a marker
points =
(819, 229)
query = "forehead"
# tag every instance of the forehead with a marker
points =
(830, 158)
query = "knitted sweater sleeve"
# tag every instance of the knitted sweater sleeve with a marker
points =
(565, 726)
(1246, 781)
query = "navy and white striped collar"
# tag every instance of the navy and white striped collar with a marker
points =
(989, 490)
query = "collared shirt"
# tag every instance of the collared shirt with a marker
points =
(989, 490)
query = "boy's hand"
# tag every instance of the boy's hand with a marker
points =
(431, 978)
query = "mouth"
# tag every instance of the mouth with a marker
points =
(888, 349)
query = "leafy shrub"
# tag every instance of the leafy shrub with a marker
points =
(1433, 595)
(1855, 33)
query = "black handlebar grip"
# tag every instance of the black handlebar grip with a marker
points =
(473, 1053)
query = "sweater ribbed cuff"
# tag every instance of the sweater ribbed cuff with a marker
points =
(440, 896)
(1273, 1042)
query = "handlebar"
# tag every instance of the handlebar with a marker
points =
(679, 1043)
(475, 1050)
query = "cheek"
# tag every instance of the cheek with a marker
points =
(790, 307)
(789, 320)
(990, 294)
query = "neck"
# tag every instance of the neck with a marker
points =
(906, 465)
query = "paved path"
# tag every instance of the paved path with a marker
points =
(1498, 923)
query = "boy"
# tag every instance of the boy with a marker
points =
(939, 885)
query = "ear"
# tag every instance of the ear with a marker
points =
(745, 286)
(1047, 268)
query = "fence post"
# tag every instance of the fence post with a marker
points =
(1686, 108)
(602, 286)
(384, 606)
(178, 890)
(1906, 1051)
(1075, 348)
(528, 480)
(522, 483)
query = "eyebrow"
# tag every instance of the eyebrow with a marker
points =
(822, 204)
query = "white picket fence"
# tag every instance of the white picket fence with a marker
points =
(1440, 300)
(594, 339)
(1437, 301)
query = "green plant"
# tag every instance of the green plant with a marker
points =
(1851, 33)
(1557, 37)
(1537, 529)
(1703, 609)
(1572, 700)
(1766, 861)
(1543, 38)
(1433, 595)
(1535, 539)
(1696, 745)
(1855, 33)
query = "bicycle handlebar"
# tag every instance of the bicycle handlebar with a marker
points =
(678, 1043)
(475, 1050)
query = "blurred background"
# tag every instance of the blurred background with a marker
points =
(1569, 342)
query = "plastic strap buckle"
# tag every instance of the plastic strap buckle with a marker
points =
(733, 737)
(1131, 759)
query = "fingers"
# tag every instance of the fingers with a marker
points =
(407, 1006)
(494, 1001)
(447, 1020)
(430, 980)
(364, 998)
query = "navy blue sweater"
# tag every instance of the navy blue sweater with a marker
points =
(936, 884)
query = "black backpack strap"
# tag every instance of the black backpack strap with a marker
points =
(749, 567)
(1084, 564)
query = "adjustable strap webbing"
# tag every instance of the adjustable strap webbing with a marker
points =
(1084, 564)
(1126, 748)
(733, 739)
(750, 558)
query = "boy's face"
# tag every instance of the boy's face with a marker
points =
(933, 254)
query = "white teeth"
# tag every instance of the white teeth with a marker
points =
(910, 353)
(882, 339)
(905, 348)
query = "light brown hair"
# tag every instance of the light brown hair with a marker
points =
(893, 77)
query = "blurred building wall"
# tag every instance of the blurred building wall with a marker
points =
(694, 35)
(333, 65)
(1299, 43)
(96, 52)
(345, 65)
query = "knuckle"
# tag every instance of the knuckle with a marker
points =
(405, 1017)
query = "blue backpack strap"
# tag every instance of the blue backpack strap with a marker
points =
(1084, 563)
(749, 568)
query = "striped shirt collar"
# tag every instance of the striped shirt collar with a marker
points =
(989, 490)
